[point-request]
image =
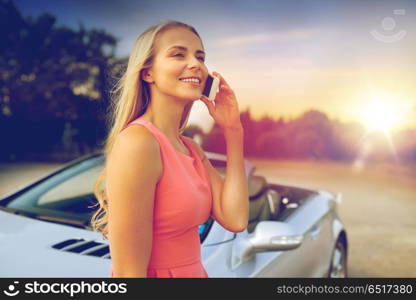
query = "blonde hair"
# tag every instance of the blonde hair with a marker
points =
(130, 99)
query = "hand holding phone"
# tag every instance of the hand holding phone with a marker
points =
(211, 87)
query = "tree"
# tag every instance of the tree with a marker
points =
(51, 75)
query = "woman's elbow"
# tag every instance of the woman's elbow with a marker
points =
(238, 228)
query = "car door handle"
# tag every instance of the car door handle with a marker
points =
(315, 232)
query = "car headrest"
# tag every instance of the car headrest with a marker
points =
(256, 185)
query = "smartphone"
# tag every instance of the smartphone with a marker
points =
(211, 87)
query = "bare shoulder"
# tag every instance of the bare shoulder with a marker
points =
(140, 147)
(197, 147)
(138, 134)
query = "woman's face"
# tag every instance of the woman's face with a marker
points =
(179, 54)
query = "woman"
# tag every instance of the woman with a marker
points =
(159, 184)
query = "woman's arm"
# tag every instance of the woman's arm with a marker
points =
(133, 169)
(231, 196)
(232, 207)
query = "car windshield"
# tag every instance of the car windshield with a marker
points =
(68, 194)
(67, 197)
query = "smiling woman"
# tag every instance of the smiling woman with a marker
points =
(157, 191)
(159, 185)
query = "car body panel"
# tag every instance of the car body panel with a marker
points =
(25, 250)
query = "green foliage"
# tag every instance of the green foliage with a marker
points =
(51, 74)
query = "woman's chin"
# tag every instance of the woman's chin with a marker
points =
(193, 97)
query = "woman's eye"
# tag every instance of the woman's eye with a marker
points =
(200, 57)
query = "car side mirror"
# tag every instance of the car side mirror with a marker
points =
(267, 236)
(274, 236)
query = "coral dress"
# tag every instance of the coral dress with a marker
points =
(183, 201)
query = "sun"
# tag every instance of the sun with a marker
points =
(380, 114)
(384, 114)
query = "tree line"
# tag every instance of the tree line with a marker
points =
(314, 136)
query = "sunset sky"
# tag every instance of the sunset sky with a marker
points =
(352, 60)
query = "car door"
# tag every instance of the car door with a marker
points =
(310, 220)
(311, 259)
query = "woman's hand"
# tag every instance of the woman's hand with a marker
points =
(225, 111)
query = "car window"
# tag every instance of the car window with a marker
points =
(69, 195)
(72, 188)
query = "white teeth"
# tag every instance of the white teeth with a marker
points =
(190, 80)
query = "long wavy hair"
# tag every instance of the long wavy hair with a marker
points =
(130, 99)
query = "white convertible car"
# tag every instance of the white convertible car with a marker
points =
(292, 232)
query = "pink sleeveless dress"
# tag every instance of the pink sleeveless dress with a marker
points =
(183, 201)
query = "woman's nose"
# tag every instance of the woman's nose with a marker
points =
(194, 62)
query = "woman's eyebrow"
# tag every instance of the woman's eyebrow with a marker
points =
(185, 49)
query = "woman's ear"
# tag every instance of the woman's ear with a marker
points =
(146, 75)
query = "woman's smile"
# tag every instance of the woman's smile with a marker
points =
(191, 82)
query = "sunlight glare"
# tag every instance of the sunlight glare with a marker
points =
(380, 114)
